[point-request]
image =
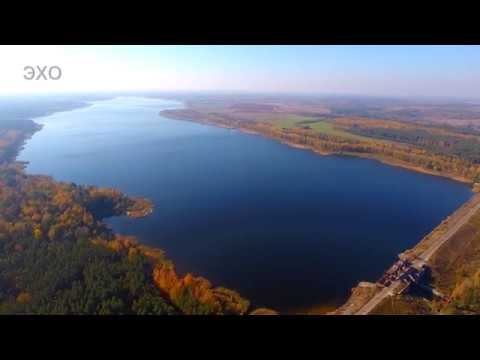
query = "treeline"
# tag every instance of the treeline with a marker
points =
(462, 146)
(408, 155)
(12, 135)
(413, 156)
(57, 256)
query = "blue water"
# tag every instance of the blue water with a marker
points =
(285, 227)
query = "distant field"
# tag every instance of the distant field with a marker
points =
(289, 121)
(370, 121)
(320, 126)
(329, 128)
(457, 113)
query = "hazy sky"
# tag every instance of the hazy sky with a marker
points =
(367, 70)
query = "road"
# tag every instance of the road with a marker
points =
(378, 298)
(456, 222)
(427, 254)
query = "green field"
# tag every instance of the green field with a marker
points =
(321, 126)
(291, 121)
(329, 129)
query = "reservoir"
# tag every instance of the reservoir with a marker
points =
(286, 228)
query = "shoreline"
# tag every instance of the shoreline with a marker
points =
(293, 145)
(382, 160)
(363, 289)
(363, 292)
(164, 273)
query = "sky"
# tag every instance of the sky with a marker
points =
(451, 71)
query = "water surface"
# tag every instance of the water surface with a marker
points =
(285, 227)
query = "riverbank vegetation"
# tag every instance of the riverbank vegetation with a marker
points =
(58, 257)
(431, 148)
(445, 148)
(12, 136)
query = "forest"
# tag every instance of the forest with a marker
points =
(58, 257)
(12, 136)
(433, 139)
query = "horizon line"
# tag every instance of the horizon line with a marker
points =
(237, 92)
